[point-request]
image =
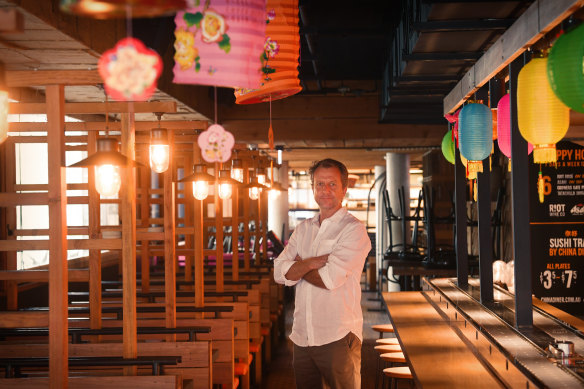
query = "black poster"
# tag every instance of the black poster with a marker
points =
(557, 230)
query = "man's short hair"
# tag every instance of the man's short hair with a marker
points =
(328, 163)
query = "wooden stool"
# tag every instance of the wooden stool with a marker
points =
(383, 349)
(391, 358)
(382, 328)
(386, 341)
(398, 372)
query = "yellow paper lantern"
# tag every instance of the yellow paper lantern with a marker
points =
(543, 118)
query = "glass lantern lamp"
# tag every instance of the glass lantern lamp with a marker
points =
(201, 180)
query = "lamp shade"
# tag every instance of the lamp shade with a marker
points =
(565, 68)
(504, 126)
(543, 119)
(219, 43)
(280, 55)
(448, 149)
(106, 9)
(475, 134)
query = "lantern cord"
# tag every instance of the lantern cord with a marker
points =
(271, 131)
(106, 115)
(540, 185)
(129, 20)
(215, 88)
(271, 173)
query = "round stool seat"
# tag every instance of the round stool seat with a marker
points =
(381, 328)
(398, 372)
(393, 357)
(387, 341)
(388, 348)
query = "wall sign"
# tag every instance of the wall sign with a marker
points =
(557, 230)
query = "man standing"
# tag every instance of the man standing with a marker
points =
(324, 260)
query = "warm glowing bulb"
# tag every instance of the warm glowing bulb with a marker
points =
(107, 180)
(3, 115)
(225, 190)
(274, 194)
(254, 193)
(237, 174)
(200, 189)
(159, 158)
(262, 179)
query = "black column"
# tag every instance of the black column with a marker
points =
(460, 211)
(485, 245)
(520, 206)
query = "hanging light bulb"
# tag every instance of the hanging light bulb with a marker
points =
(226, 184)
(254, 193)
(159, 150)
(200, 179)
(107, 161)
(107, 180)
(3, 115)
(280, 149)
(237, 170)
(254, 188)
(261, 175)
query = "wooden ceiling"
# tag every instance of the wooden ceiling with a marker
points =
(341, 112)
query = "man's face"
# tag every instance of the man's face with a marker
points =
(328, 188)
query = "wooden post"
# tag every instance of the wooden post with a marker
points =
(257, 231)
(144, 217)
(235, 232)
(198, 243)
(218, 234)
(246, 218)
(188, 217)
(264, 218)
(94, 233)
(170, 242)
(10, 170)
(128, 217)
(58, 278)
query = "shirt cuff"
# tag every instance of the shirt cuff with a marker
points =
(285, 267)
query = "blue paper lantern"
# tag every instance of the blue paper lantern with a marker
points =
(475, 135)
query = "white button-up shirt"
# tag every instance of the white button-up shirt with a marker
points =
(322, 316)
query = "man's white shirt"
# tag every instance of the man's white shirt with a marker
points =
(322, 316)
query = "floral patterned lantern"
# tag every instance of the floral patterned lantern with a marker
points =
(130, 70)
(504, 124)
(216, 144)
(105, 9)
(219, 43)
(543, 118)
(280, 55)
(475, 133)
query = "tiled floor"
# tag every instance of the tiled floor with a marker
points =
(280, 374)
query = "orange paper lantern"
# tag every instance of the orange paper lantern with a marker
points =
(280, 55)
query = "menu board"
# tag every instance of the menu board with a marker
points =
(557, 230)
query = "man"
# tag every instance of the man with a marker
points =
(324, 260)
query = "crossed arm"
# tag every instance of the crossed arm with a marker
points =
(308, 270)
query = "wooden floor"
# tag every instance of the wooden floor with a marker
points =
(280, 373)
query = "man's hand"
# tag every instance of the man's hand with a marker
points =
(301, 267)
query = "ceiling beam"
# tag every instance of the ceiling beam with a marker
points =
(24, 78)
(463, 25)
(539, 19)
(353, 32)
(177, 125)
(88, 108)
(427, 78)
(460, 56)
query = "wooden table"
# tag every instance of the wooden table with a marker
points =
(436, 355)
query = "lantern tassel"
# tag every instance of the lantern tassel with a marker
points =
(474, 167)
(475, 190)
(545, 153)
(509, 166)
(540, 189)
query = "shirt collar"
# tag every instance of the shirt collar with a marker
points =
(337, 216)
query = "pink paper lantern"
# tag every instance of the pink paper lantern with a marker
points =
(216, 144)
(219, 43)
(504, 126)
(130, 70)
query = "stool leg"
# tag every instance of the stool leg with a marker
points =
(377, 375)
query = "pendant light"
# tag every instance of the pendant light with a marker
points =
(237, 170)
(200, 179)
(107, 9)
(159, 148)
(107, 161)
(261, 175)
(254, 187)
(226, 184)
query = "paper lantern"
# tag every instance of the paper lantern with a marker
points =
(543, 119)
(469, 175)
(130, 70)
(280, 56)
(216, 144)
(448, 149)
(453, 118)
(565, 68)
(475, 133)
(220, 43)
(504, 127)
(3, 115)
(105, 9)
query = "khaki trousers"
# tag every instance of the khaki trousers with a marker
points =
(336, 365)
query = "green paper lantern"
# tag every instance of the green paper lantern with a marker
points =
(565, 68)
(448, 147)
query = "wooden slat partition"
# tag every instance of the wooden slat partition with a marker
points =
(94, 234)
(170, 258)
